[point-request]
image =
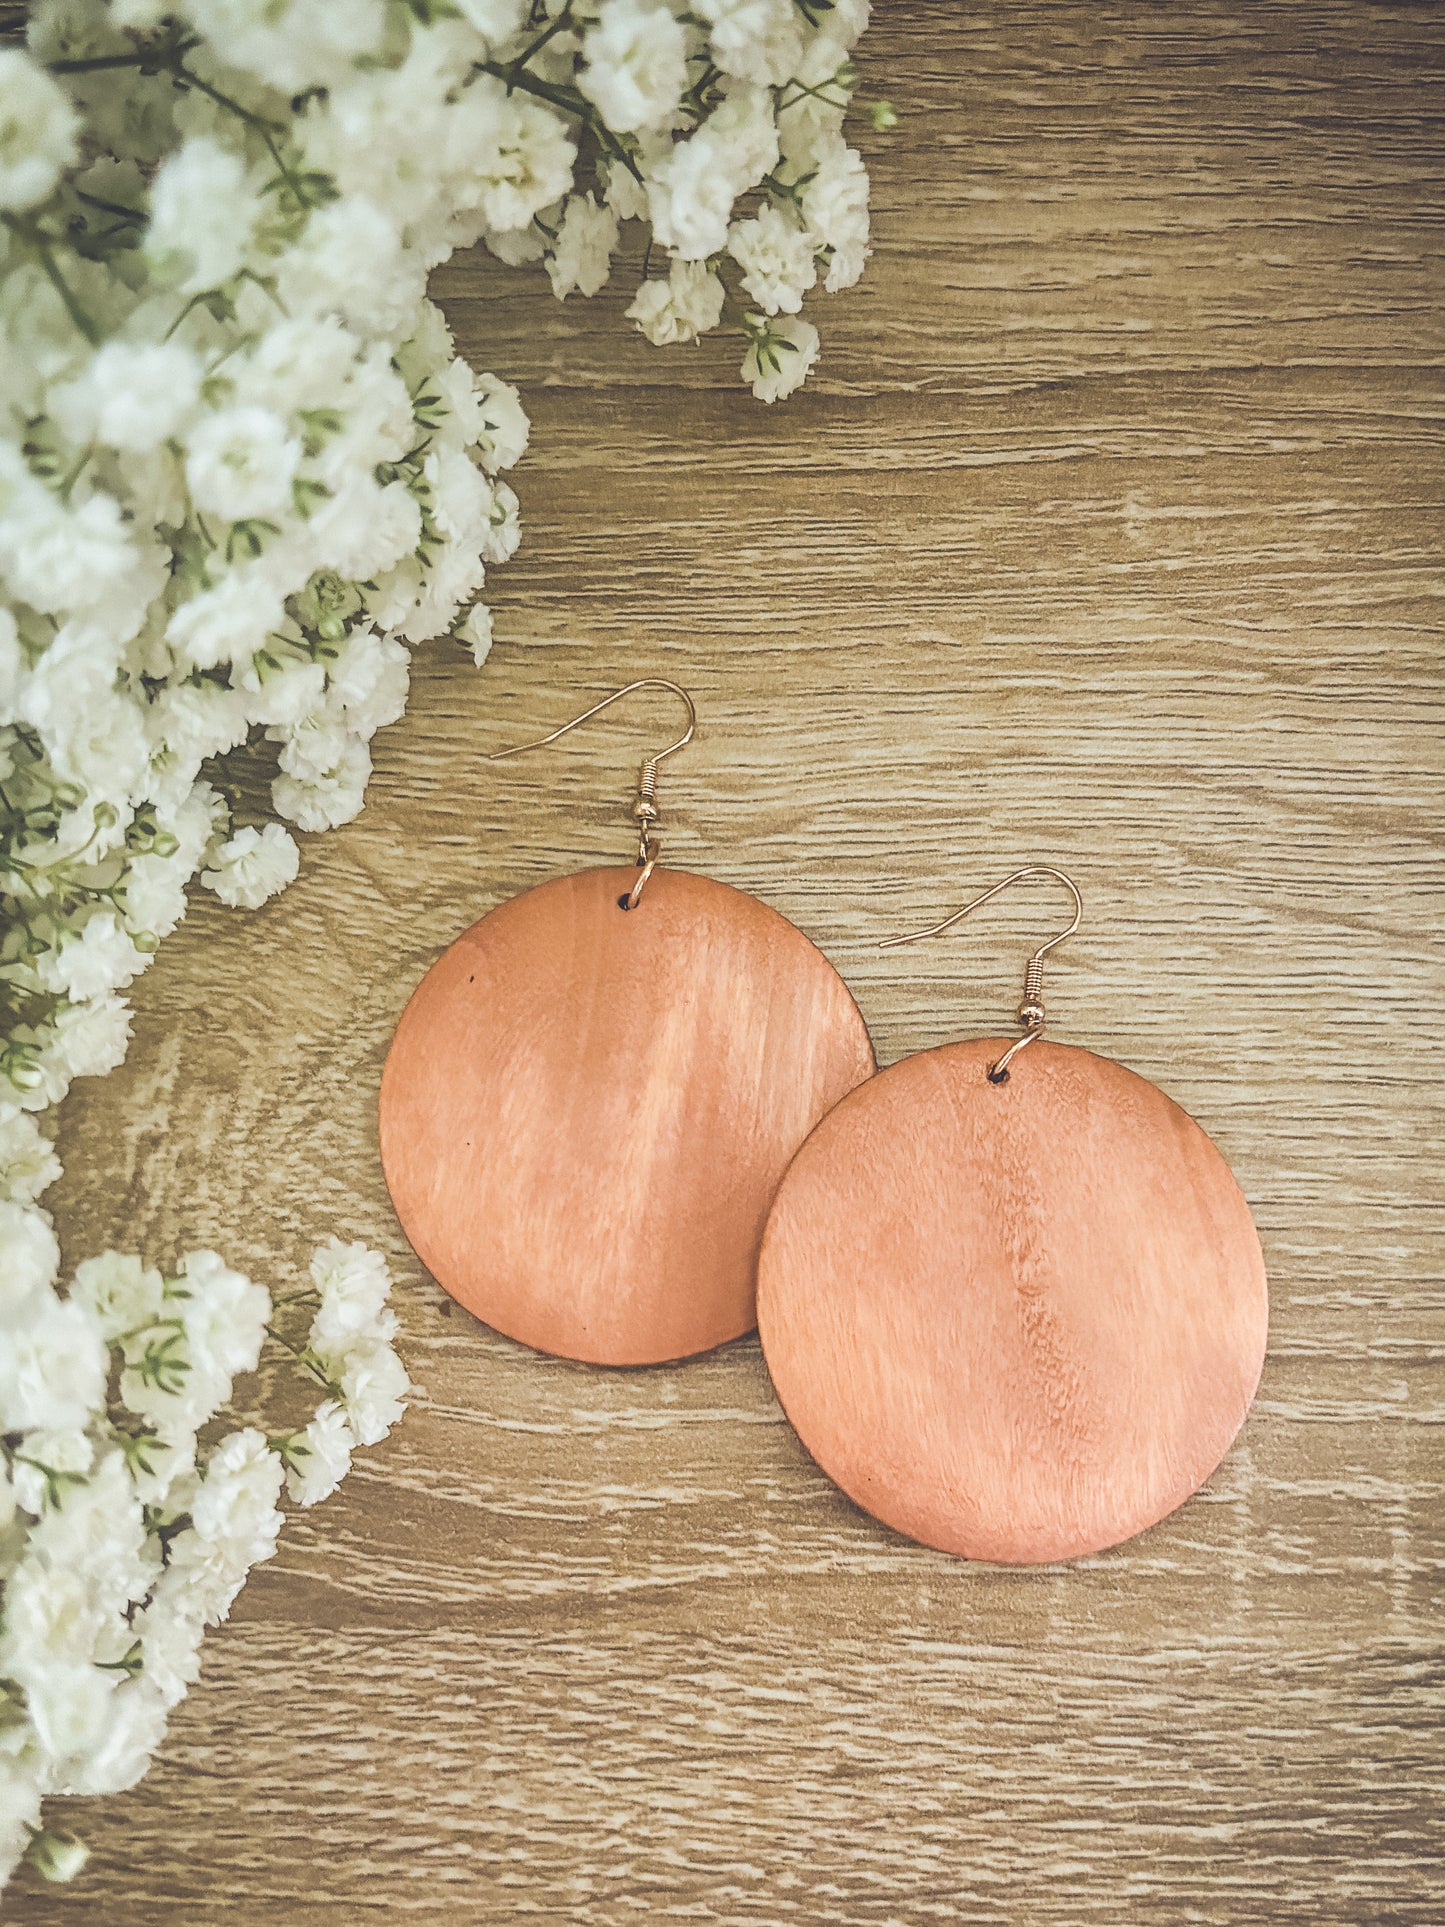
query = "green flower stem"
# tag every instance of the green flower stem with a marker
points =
(101, 63)
(172, 43)
(564, 19)
(66, 489)
(514, 76)
(170, 58)
(267, 129)
(307, 1364)
(567, 98)
(111, 207)
(41, 247)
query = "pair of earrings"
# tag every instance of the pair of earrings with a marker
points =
(1016, 1310)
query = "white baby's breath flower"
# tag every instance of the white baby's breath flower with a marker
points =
(776, 257)
(59, 558)
(369, 680)
(314, 745)
(81, 1040)
(130, 395)
(327, 799)
(163, 1471)
(32, 1258)
(283, 692)
(524, 163)
(758, 40)
(38, 127)
(252, 866)
(503, 429)
(300, 362)
(461, 495)
(47, 1463)
(690, 197)
(52, 1366)
(354, 1284)
(817, 96)
(99, 958)
(179, 1368)
(320, 1457)
(236, 1502)
(154, 895)
(688, 303)
(133, 1726)
(233, 618)
(170, 1639)
(373, 1384)
(94, 1529)
(691, 189)
(120, 1292)
(503, 529)
(318, 276)
(517, 247)
(291, 44)
(743, 129)
(835, 208)
(159, 1382)
(364, 528)
(476, 632)
(581, 256)
(635, 64)
(28, 1164)
(203, 210)
(780, 354)
(203, 1576)
(241, 462)
(494, 20)
(189, 721)
(224, 1313)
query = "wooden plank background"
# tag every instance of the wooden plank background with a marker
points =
(1107, 535)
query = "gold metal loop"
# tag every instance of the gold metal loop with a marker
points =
(645, 809)
(647, 863)
(645, 682)
(1031, 1008)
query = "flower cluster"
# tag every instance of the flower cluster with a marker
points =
(122, 1535)
(242, 469)
(243, 473)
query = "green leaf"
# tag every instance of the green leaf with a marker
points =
(249, 537)
(306, 493)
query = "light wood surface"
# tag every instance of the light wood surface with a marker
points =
(1108, 535)
(590, 1103)
(1018, 1320)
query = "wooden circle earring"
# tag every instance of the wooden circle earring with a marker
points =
(1014, 1306)
(592, 1096)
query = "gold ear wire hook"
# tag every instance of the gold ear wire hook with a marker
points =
(1031, 1009)
(644, 810)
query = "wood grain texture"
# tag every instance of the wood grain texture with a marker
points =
(1107, 535)
(1019, 1321)
(587, 1109)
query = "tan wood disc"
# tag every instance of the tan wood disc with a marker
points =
(1016, 1321)
(586, 1110)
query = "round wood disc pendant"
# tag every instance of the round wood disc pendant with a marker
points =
(586, 1110)
(1017, 1321)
